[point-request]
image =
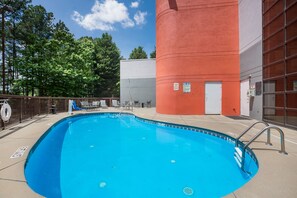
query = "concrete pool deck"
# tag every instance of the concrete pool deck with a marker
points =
(277, 175)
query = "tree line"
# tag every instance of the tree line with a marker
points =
(44, 59)
(139, 53)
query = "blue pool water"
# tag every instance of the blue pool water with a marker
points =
(122, 156)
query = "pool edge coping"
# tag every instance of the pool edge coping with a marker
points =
(155, 121)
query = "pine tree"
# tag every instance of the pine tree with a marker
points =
(138, 53)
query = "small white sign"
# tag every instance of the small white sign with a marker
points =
(175, 86)
(187, 87)
(252, 92)
(19, 152)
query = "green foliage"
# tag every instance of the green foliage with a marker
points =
(69, 73)
(12, 48)
(45, 59)
(107, 66)
(34, 30)
(153, 53)
(138, 53)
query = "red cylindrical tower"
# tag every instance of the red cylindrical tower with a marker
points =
(197, 42)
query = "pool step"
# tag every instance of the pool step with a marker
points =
(238, 156)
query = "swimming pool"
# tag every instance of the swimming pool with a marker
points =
(120, 155)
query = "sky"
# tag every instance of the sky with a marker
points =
(131, 23)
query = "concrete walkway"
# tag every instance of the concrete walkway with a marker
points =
(277, 175)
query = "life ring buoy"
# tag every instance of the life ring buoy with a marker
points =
(5, 112)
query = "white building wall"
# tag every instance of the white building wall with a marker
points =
(250, 23)
(138, 69)
(250, 43)
(138, 81)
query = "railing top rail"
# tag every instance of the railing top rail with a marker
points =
(282, 137)
(48, 97)
(245, 131)
(25, 107)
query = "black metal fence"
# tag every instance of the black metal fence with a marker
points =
(25, 107)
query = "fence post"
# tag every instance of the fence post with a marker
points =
(39, 106)
(21, 114)
(48, 105)
(32, 107)
(2, 124)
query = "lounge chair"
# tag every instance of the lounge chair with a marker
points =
(74, 106)
(85, 104)
(103, 104)
(136, 103)
(115, 104)
(128, 105)
(95, 104)
(149, 103)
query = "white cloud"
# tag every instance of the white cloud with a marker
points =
(139, 17)
(134, 4)
(104, 15)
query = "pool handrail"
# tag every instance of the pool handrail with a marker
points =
(282, 138)
(245, 131)
(282, 141)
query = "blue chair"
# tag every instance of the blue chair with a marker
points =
(74, 106)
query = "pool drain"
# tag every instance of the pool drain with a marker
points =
(188, 191)
(102, 184)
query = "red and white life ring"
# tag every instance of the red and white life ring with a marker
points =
(5, 112)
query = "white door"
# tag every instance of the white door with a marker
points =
(244, 98)
(213, 98)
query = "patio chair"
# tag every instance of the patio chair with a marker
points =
(85, 105)
(103, 104)
(75, 107)
(136, 103)
(128, 105)
(115, 104)
(95, 104)
(149, 103)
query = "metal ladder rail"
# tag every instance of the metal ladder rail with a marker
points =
(247, 130)
(282, 141)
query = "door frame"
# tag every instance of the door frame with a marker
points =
(220, 100)
(248, 98)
